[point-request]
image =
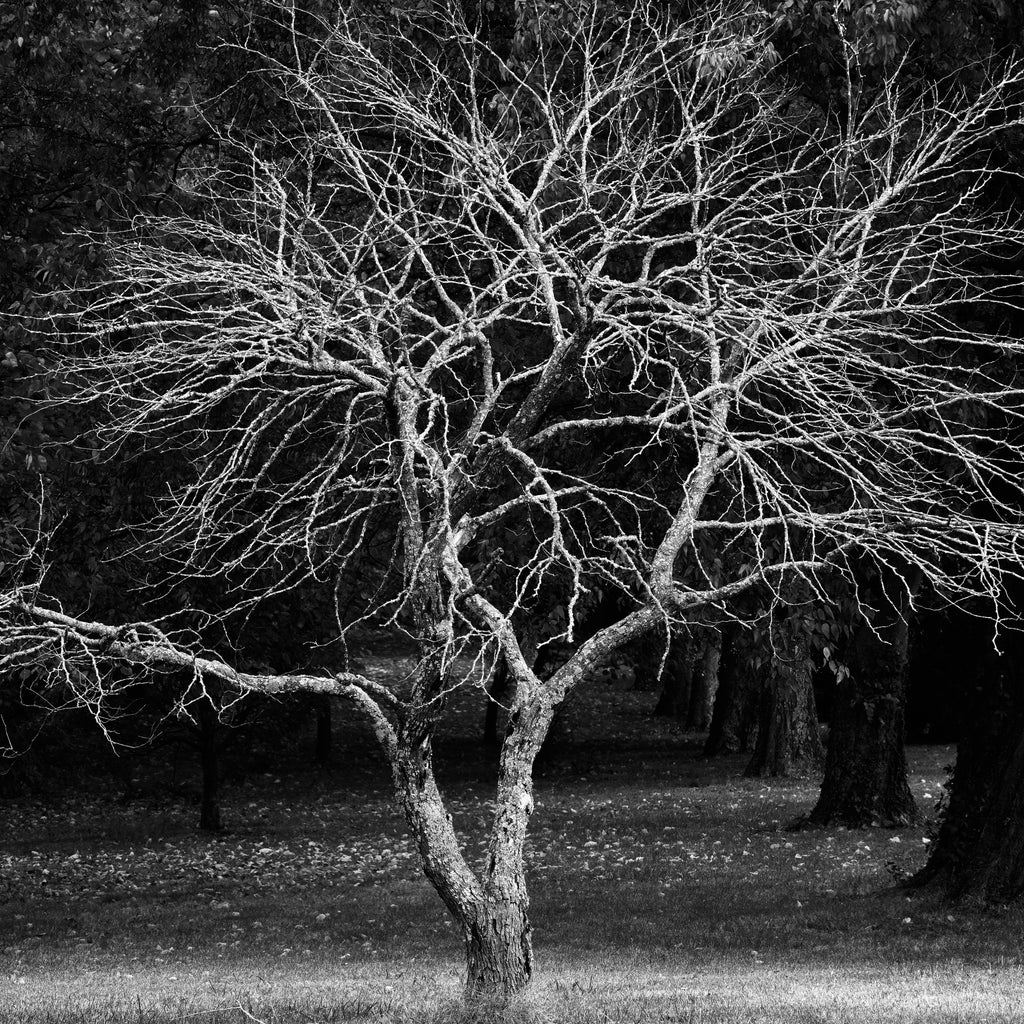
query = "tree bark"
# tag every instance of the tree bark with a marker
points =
(499, 952)
(865, 780)
(492, 910)
(209, 808)
(788, 741)
(979, 854)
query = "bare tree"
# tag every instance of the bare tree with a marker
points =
(451, 271)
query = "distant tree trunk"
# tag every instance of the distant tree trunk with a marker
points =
(733, 720)
(979, 854)
(122, 762)
(865, 780)
(676, 675)
(322, 747)
(788, 741)
(648, 663)
(501, 694)
(705, 682)
(209, 809)
(645, 667)
(556, 734)
(498, 695)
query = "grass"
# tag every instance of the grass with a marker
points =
(664, 889)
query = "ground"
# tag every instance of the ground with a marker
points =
(664, 888)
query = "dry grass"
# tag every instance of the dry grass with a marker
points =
(664, 889)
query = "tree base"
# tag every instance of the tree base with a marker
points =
(499, 954)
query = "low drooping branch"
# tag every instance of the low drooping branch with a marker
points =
(143, 645)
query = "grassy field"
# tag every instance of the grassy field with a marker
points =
(664, 889)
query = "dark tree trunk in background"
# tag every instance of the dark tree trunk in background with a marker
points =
(676, 674)
(209, 809)
(499, 695)
(865, 780)
(733, 720)
(788, 740)
(322, 748)
(646, 658)
(557, 733)
(704, 684)
(979, 854)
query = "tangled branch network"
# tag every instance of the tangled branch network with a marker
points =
(611, 309)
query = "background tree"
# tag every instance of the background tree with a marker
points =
(788, 738)
(865, 780)
(733, 720)
(979, 852)
(405, 302)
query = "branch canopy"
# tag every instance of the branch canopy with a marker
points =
(615, 311)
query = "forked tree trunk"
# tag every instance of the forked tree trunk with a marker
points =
(788, 741)
(865, 779)
(492, 910)
(979, 855)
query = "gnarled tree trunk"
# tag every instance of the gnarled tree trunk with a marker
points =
(499, 954)
(492, 909)
(865, 780)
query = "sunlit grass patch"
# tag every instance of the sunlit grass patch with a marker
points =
(574, 991)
